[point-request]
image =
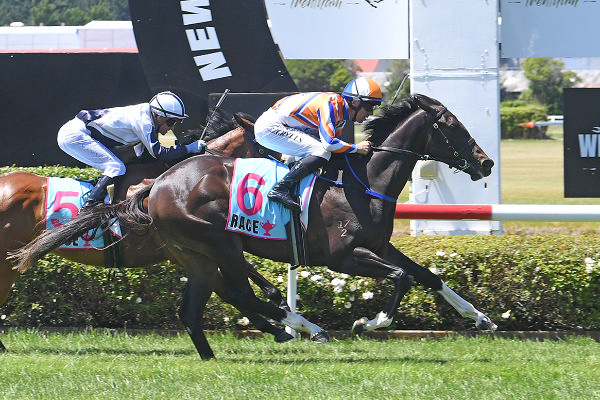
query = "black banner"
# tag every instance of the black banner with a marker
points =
(581, 142)
(42, 91)
(197, 47)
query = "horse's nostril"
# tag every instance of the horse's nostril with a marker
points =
(488, 163)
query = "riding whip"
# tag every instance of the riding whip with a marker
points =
(399, 88)
(225, 93)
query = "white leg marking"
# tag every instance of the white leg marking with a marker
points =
(300, 323)
(465, 308)
(381, 320)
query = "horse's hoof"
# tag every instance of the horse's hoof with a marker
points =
(320, 337)
(284, 306)
(283, 337)
(486, 324)
(359, 326)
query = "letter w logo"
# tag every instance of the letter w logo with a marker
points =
(588, 145)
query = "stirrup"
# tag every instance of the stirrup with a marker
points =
(284, 199)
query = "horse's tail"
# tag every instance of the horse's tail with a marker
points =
(131, 213)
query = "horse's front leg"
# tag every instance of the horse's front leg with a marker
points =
(364, 262)
(428, 279)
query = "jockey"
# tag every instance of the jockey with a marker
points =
(90, 136)
(309, 126)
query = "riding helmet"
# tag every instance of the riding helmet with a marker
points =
(363, 88)
(168, 104)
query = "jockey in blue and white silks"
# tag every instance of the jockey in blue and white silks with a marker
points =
(309, 126)
(90, 136)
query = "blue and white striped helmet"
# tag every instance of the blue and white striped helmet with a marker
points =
(168, 104)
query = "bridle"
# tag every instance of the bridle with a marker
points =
(458, 161)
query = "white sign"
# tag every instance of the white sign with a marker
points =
(459, 68)
(340, 29)
(550, 28)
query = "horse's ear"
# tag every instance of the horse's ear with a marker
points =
(425, 102)
(244, 120)
(420, 100)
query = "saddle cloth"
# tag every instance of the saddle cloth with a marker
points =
(63, 201)
(250, 212)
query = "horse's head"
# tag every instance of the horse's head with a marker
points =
(450, 142)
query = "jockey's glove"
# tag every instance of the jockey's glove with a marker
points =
(196, 147)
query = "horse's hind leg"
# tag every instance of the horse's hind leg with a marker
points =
(8, 276)
(234, 268)
(270, 290)
(201, 277)
(258, 321)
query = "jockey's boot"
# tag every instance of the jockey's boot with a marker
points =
(281, 192)
(98, 193)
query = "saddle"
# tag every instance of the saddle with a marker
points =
(250, 213)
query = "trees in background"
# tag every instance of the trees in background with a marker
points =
(333, 75)
(543, 97)
(546, 83)
(321, 75)
(59, 12)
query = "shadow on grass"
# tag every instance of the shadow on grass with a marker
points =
(249, 356)
(102, 351)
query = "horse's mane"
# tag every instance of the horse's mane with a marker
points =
(217, 124)
(378, 128)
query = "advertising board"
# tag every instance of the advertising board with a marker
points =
(581, 142)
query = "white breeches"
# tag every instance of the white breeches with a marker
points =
(272, 134)
(75, 140)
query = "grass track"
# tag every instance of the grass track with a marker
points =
(105, 365)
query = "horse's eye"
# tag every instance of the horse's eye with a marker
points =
(454, 124)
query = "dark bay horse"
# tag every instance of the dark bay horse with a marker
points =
(349, 227)
(23, 199)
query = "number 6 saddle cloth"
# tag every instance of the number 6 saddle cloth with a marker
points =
(64, 198)
(250, 212)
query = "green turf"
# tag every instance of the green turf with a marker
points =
(104, 365)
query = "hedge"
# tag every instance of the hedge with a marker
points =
(540, 282)
(512, 113)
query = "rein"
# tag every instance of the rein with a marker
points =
(368, 191)
(214, 153)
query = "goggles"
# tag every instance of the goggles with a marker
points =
(369, 105)
(172, 121)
